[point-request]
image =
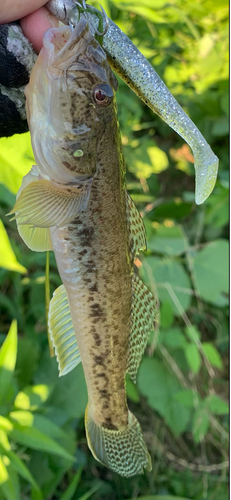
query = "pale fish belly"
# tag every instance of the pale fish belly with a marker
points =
(96, 274)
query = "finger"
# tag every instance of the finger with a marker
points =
(34, 26)
(12, 10)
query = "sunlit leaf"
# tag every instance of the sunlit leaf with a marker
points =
(8, 354)
(16, 159)
(9, 483)
(31, 398)
(7, 256)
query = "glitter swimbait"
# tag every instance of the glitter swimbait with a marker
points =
(74, 202)
(126, 60)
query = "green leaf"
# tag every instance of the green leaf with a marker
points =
(37, 440)
(193, 357)
(174, 338)
(211, 270)
(16, 159)
(160, 386)
(166, 315)
(20, 467)
(88, 494)
(172, 282)
(131, 389)
(216, 405)
(212, 354)
(9, 483)
(70, 491)
(7, 256)
(70, 393)
(193, 333)
(167, 240)
(188, 398)
(8, 354)
(200, 424)
(32, 397)
(160, 497)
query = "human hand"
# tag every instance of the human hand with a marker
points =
(34, 18)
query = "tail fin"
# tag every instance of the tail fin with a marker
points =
(123, 451)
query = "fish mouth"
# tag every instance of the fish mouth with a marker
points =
(66, 45)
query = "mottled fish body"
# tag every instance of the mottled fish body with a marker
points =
(74, 202)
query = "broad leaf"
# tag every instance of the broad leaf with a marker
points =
(16, 158)
(160, 386)
(171, 280)
(8, 354)
(7, 256)
(211, 270)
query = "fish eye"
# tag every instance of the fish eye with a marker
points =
(103, 94)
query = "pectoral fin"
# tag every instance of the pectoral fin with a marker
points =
(43, 204)
(143, 314)
(61, 332)
(136, 228)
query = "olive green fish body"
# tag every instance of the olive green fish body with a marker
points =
(97, 278)
(74, 202)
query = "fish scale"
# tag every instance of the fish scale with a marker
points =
(77, 206)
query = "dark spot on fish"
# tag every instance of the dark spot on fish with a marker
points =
(87, 280)
(99, 360)
(86, 235)
(116, 340)
(96, 336)
(96, 310)
(102, 375)
(94, 288)
(90, 298)
(83, 251)
(103, 393)
(66, 164)
(77, 221)
(109, 425)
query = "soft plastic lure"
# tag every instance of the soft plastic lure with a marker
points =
(135, 70)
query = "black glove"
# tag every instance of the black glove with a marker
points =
(17, 58)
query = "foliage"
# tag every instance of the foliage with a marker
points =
(181, 392)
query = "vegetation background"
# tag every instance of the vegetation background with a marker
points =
(181, 392)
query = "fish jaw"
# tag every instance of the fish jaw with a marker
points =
(63, 117)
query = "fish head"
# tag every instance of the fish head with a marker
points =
(70, 101)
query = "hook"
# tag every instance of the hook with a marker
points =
(105, 19)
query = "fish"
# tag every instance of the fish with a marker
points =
(128, 62)
(74, 202)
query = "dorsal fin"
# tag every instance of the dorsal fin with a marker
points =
(143, 315)
(136, 228)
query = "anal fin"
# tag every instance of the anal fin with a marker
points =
(136, 228)
(61, 332)
(143, 315)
